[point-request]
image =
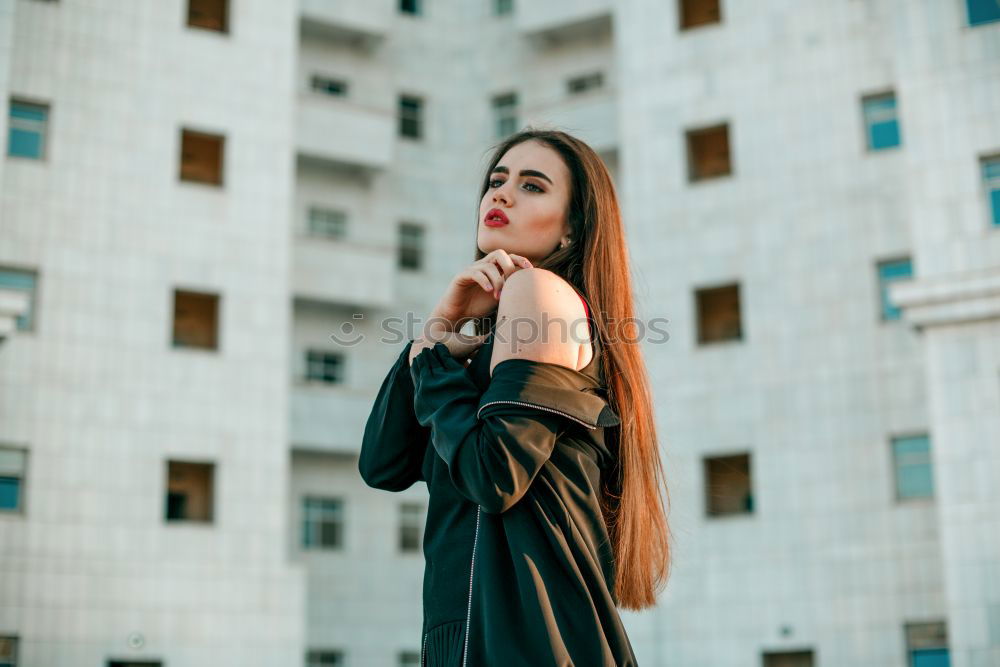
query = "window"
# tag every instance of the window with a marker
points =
(13, 466)
(409, 7)
(21, 280)
(411, 246)
(196, 320)
(324, 658)
(708, 153)
(888, 271)
(719, 314)
(8, 651)
(411, 523)
(788, 659)
(727, 485)
(982, 11)
(201, 157)
(991, 181)
(581, 84)
(927, 644)
(409, 659)
(694, 13)
(322, 523)
(133, 663)
(411, 112)
(328, 86)
(322, 366)
(327, 223)
(503, 7)
(190, 491)
(505, 114)
(28, 129)
(881, 122)
(911, 457)
(209, 14)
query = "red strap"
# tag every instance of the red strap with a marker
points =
(585, 309)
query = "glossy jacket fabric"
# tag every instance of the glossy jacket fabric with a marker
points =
(516, 548)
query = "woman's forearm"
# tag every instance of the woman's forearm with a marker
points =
(436, 328)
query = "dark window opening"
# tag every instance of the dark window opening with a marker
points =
(708, 153)
(788, 659)
(209, 14)
(189, 491)
(694, 13)
(719, 314)
(196, 320)
(201, 157)
(728, 488)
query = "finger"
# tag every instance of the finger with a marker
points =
(496, 279)
(502, 259)
(481, 278)
(522, 260)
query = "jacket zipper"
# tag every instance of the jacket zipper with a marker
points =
(423, 650)
(540, 407)
(472, 569)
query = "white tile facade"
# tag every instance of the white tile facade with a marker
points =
(829, 560)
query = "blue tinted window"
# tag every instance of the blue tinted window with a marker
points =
(983, 11)
(26, 134)
(912, 458)
(900, 269)
(322, 521)
(881, 122)
(931, 657)
(409, 6)
(991, 179)
(23, 281)
(9, 493)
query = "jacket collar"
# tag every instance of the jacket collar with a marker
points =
(548, 386)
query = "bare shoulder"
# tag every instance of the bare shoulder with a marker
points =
(540, 317)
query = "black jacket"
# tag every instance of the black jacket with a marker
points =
(515, 546)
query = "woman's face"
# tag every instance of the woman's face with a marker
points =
(531, 186)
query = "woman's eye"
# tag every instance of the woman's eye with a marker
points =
(496, 182)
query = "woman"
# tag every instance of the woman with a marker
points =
(544, 513)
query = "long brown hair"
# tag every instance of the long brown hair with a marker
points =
(596, 263)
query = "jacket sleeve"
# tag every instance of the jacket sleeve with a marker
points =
(495, 442)
(394, 443)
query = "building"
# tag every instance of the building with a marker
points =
(220, 222)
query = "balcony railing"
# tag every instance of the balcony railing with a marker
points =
(343, 272)
(338, 131)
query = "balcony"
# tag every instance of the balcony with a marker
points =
(591, 116)
(364, 23)
(328, 419)
(560, 20)
(343, 272)
(338, 132)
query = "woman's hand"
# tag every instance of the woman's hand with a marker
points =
(461, 346)
(475, 291)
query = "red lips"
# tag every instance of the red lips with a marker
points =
(495, 217)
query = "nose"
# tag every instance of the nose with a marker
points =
(501, 193)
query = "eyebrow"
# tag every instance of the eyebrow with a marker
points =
(524, 172)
